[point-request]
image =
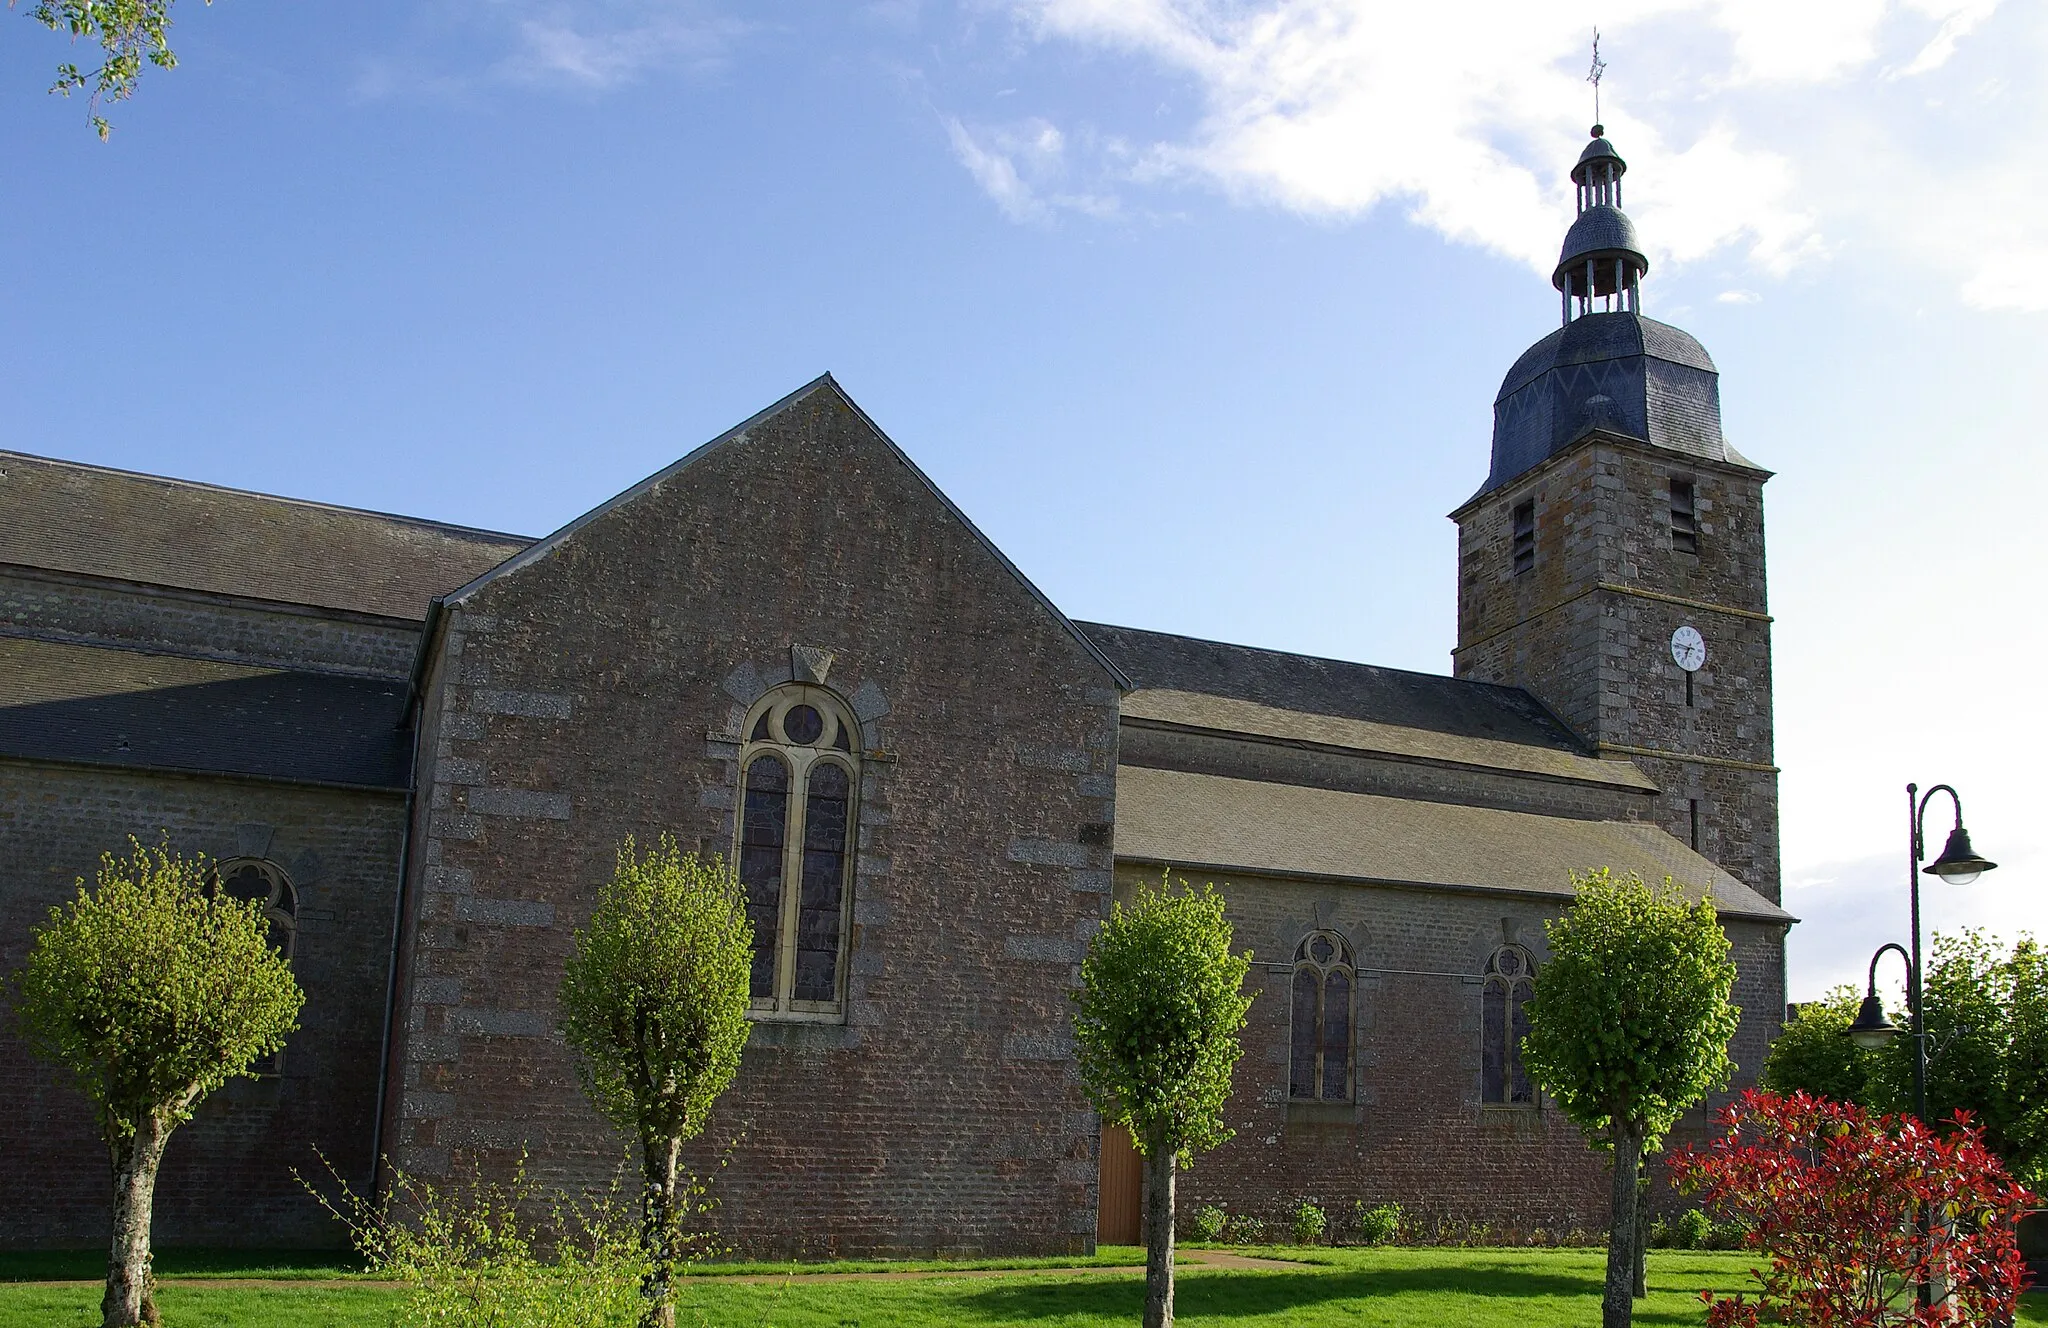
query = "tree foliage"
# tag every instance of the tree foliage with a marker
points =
(1156, 1029)
(1813, 1053)
(1987, 1020)
(1833, 1194)
(153, 989)
(1629, 1026)
(655, 1001)
(128, 32)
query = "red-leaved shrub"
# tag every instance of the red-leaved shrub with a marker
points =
(1834, 1193)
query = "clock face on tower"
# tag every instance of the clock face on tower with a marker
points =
(1688, 650)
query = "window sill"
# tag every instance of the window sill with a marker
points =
(803, 1034)
(1321, 1113)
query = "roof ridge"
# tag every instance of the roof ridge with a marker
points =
(179, 482)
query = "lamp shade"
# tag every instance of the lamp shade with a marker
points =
(1959, 863)
(1871, 1029)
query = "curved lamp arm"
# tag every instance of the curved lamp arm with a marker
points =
(1920, 819)
(1904, 958)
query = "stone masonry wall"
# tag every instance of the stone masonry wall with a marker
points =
(1588, 629)
(57, 607)
(594, 693)
(1418, 1133)
(227, 1177)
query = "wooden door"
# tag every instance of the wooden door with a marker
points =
(1119, 1211)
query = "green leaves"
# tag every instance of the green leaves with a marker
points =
(1157, 1017)
(154, 989)
(128, 32)
(1631, 1020)
(655, 997)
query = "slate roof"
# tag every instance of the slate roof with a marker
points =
(93, 521)
(1617, 372)
(1600, 229)
(1429, 703)
(1230, 715)
(66, 702)
(1211, 822)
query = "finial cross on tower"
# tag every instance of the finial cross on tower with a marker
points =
(1593, 77)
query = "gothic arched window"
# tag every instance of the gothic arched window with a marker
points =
(1319, 1058)
(265, 882)
(799, 770)
(1504, 1022)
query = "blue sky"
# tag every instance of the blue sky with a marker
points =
(1197, 307)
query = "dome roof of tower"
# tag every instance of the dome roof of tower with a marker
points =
(1600, 229)
(1619, 373)
(1599, 148)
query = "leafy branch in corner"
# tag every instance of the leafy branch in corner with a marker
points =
(128, 33)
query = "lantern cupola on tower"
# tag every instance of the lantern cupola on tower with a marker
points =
(1601, 267)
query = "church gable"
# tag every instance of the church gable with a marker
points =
(790, 650)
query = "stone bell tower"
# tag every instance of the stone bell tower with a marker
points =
(1613, 561)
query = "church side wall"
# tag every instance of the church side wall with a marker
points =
(596, 693)
(69, 608)
(227, 1177)
(1417, 1133)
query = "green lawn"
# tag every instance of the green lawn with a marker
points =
(1398, 1288)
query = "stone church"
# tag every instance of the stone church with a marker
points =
(419, 746)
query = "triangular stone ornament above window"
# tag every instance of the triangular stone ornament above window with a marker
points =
(809, 664)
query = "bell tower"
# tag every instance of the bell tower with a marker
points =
(1613, 561)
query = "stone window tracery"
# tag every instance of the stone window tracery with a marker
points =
(1319, 1052)
(1504, 1021)
(796, 835)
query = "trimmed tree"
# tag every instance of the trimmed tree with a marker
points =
(1629, 1027)
(153, 989)
(1155, 1030)
(655, 1001)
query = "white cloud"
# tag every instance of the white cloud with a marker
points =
(602, 45)
(1738, 297)
(1021, 167)
(585, 45)
(1778, 133)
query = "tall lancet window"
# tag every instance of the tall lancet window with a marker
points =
(797, 831)
(1504, 1021)
(254, 880)
(1319, 1060)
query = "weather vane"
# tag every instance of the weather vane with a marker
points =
(1599, 68)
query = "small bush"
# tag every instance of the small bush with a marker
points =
(1377, 1225)
(1311, 1223)
(1691, 1230)
(1245, 1231)
(1208, 1224)
(476, 1258)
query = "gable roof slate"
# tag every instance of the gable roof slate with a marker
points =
(824, 382)
(64, 516)
(1213, 822)
(1457, 709)
(65, 702)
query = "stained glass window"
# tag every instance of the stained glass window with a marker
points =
(1504, 1021)
(764, 826)
(1319, 1051)
(797, 835)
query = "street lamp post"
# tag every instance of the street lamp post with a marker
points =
(1958, 864)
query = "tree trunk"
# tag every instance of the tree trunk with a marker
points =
(1642, 1279)
(131, 1283)
(1617, 1306)
(1159, 1166)
(659, 1156)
